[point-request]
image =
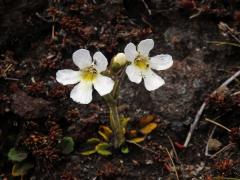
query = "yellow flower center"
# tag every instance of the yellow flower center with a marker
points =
(89, 73)
(142, 62)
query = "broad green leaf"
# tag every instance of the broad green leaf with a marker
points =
(93, 141)
(146, 120)
(124, 150)
(103, 146)
(104, 152)
(15, 155)
(101, 149)
(67, 145)
(88, 152)
(148, 128)
(21, 169)
(137, 140)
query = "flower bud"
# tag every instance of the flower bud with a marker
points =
(120, 59)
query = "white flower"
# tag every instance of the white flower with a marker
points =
(141, 64)
(89, 75)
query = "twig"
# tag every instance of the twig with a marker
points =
(225, 178)
(236, 93)
(200, 111)
(217, 124)
(194, 124)
(210, 137)
(53, 28)
(148, 9)
(225, 28)
(142, 147)
(223, 149)
(175, 169)
(43, 18)
(11, 79)
(173, 147)
(199, 12)
(224, 43)
(228, 81)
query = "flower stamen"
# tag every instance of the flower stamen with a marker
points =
(141, 62)
(89, 73)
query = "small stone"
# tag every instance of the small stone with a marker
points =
(176, 126)
(214, 145)
(28, 107)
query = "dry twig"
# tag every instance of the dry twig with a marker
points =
(174, 150)
(142, 147)
(173, 164)
(210, 137)
(217, 124)
(223, 149)
(200, 111)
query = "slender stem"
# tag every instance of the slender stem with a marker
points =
(115, 123)
(224, 43)
(217, 124)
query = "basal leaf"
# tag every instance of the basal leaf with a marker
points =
(21, 169)
(104, 136)
(148, 128)
(137, 140)
(104, 152)
(107, 131)
(88, 152)
(124, 121)
(101, 149)
(133, 133)
(66, 145)
(93, 141)
(146, 120)
(124, 150)
(15, 155)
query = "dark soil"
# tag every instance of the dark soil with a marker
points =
(37, 38)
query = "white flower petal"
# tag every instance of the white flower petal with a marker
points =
(130, 52)
(82, 93)
(82, 58)
(103, 84)
(68, 76)
(145, 46)
(134, 74)
(100, 61)
(161, 62)
(152, 81)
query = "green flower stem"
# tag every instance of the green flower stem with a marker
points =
(118, 81)
(115, 123)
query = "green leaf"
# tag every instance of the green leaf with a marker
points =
(93, 141)
(101, 149)
(21, 169)
(124, 121)
(104, 152)
(88, 152)
(67, 145)
(15, 155)
(125, 150)
(104, 136)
